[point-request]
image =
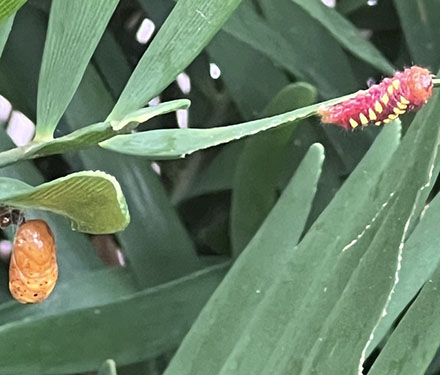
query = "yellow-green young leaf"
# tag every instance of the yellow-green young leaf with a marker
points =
(347, 34)
(187, 30)
(9, 7)
(5, 28)
(93, 200)
(75, 28)
(108, 368)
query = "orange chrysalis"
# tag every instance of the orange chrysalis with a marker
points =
(33, 269)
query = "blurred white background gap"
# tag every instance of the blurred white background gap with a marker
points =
(20, 128)
(145, 31)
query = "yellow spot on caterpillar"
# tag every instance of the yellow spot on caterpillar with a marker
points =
(378, 107)
(385, 99)
(387, 121)
(392, 117)
(371, 115)
(398, 111)
(396, 83)
(401, 105)
(390, 89)
(404, 100)
(353, 123)
(378, 123)
(363, 118)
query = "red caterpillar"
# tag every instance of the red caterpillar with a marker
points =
(382, 103)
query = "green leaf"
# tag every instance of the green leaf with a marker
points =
(108, 368)
(110, 58)
(75, 28)
(92, 200)
(20, 65)
(72, 260)
(290, 50)
(420, 258)
(347, 34)
(225, 316)
(89, 135)
(178, 143)
(162, 250)
(187, 30)
(263, 80)
(217, 176)
(419, 21)
(413, 344)
(133, 328)
(145, 114)
(348, 289)
(5, 28)
(9, 7)
(83, 290)
(291, 297)
(255, 188)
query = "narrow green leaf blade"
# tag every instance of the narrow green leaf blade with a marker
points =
(75, 28)
(255, 188)
(225, 316)
(145, 114)
(108, 368)
(413, 344)
(9, 7)
(92, 200)
(187, 30)
(5, 28)
(291, 50)
(178, 143)
(421, 256)
(419, 21)
(89, 135)
(347, 34)
(84, 290)
(235, 57)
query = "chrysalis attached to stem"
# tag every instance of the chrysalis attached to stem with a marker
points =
(382, 103)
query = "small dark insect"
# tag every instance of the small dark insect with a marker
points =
(382, 103)
(9, 216)
(33, 269)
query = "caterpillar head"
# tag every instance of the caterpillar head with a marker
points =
(420, 84)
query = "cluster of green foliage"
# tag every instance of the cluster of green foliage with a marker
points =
(300, 250)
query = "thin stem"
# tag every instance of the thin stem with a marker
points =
(436, 82)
